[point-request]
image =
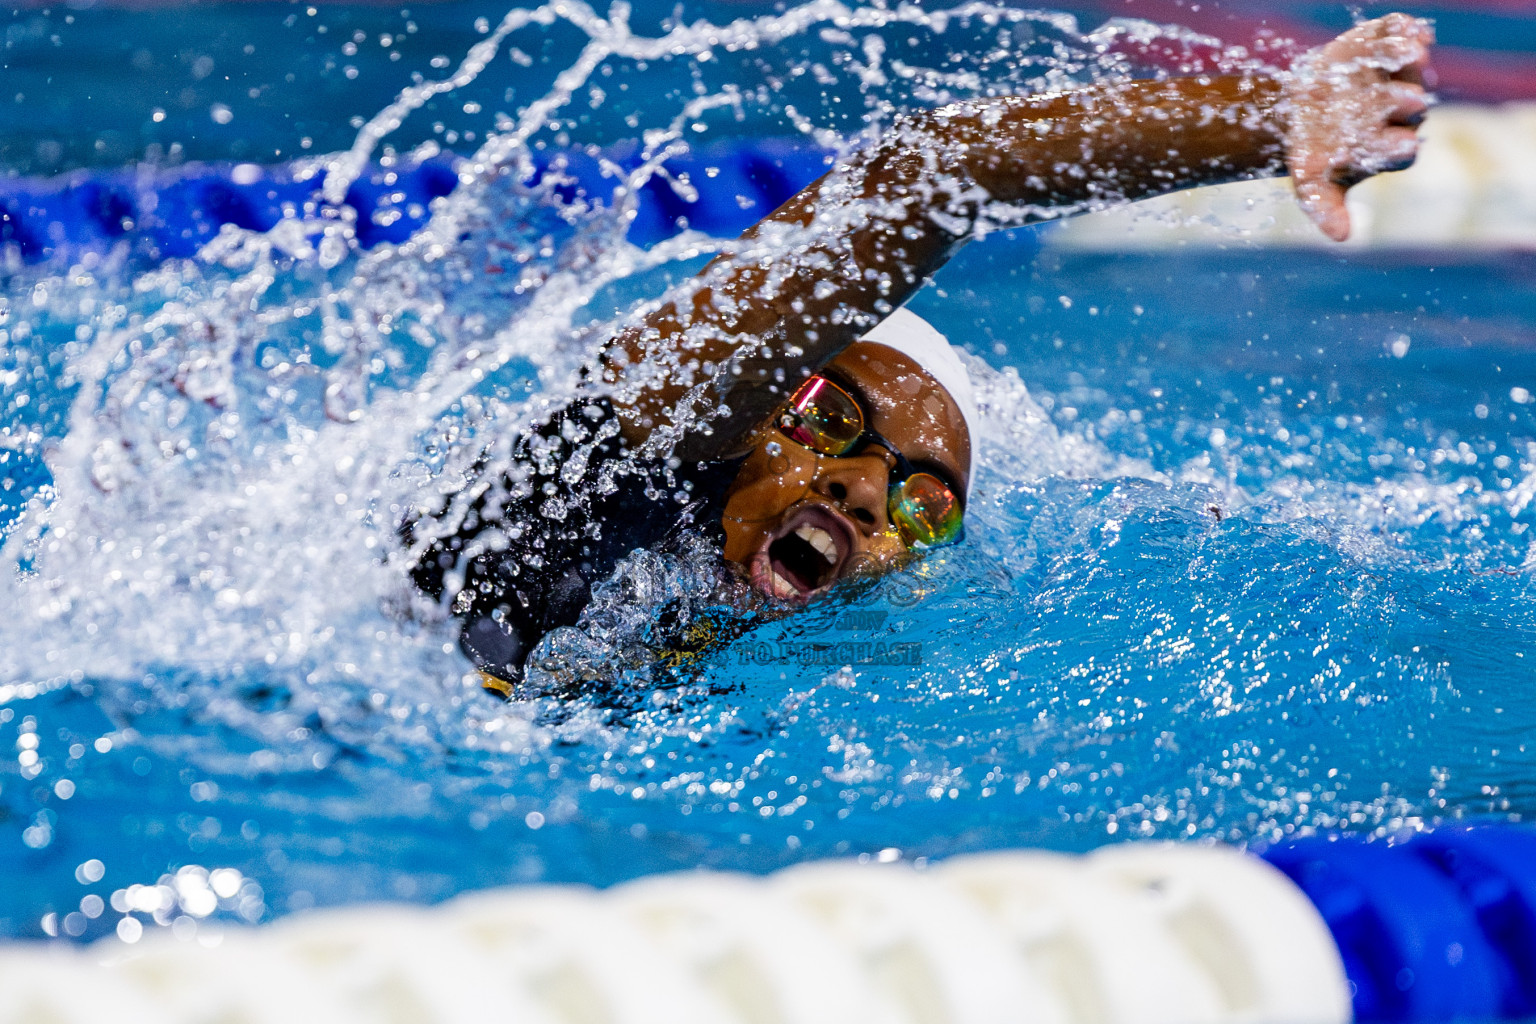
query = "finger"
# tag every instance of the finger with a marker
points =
(1417, 36)
(1351, 46)
(1391, 57)
(1413, 74)
(1385, 149)
(1384, 60)
(1419, 28)
(1416, 68)
(1367, 35)
(1401, 104)
(1394, 149)
(1402, 54)
(1401, 26)
(1322, 200)
(1393, 45)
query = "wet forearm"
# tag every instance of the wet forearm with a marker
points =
(1056, 154)
(869, 233)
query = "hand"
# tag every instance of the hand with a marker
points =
(1351, 109)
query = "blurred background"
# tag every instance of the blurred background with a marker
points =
(101, 84)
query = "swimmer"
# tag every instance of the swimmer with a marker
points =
(792, 410)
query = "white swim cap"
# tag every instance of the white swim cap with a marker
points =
(920, 341)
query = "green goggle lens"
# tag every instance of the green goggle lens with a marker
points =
(925, 511)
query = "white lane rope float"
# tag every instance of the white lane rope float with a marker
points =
(1135, 933)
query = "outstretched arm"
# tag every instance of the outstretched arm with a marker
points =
(866, 235)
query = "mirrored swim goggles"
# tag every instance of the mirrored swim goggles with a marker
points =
(923, 509)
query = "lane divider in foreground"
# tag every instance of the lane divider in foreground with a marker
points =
(1440, 926)
(1142, 934)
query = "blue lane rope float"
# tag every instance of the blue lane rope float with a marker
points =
(1439, 927)
(171, 213)
(1471, 185)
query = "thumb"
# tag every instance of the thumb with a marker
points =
(1322, 201)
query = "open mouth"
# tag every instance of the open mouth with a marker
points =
(805, 555)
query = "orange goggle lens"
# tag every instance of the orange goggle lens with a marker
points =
(924, 511)
(822, 417)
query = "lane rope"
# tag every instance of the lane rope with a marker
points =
(1136, 933)
(1471, 186)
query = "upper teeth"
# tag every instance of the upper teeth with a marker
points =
(819, 539)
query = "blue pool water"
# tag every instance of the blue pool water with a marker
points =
(1248, 554)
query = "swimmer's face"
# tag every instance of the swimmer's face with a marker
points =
(797, 522)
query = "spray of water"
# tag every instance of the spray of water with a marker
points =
(245, 430)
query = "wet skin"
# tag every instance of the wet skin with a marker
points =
(796, 522)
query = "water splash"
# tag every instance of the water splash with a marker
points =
(218, 404)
